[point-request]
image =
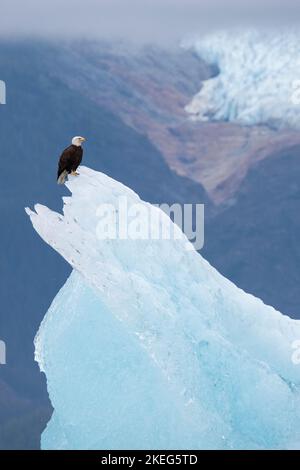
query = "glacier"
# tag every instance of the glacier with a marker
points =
(258, 80)
(147, 346)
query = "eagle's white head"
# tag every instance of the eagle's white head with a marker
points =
(78, 140)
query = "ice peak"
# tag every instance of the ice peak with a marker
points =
(148, 346)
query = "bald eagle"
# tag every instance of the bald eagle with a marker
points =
(70, 160)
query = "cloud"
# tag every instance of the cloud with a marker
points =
(140, 20)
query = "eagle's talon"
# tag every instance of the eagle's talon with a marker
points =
(74, 173)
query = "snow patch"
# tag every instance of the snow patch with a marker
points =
(259, 79)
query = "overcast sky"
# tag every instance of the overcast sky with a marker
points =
(138, 20)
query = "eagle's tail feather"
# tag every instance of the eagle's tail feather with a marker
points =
(62, 177)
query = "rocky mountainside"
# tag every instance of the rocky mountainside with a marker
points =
(149, 89)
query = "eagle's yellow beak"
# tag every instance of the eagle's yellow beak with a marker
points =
(83, 139)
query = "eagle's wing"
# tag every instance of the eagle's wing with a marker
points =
(65, 161)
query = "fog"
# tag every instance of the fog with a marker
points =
(164, 21)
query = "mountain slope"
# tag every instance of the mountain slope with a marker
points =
(254, 240)
(149, 88)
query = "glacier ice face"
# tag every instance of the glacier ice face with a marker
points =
(258, 80)
(148, 346)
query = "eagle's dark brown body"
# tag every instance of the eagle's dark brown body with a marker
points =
(69, 160)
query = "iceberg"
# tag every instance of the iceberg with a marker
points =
(147, 346)
(258, 80)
